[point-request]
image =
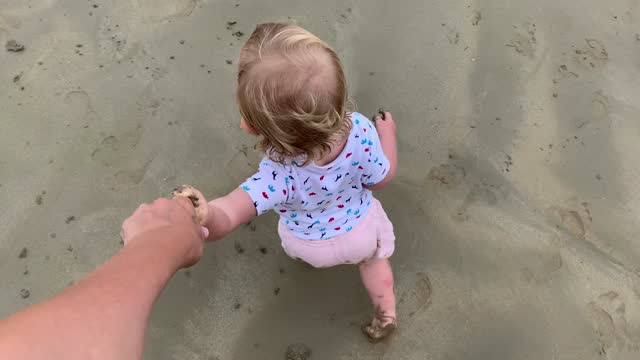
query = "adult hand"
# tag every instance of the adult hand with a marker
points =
(105, 314)
(174, 216)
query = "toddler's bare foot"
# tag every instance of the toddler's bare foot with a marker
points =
(197, 199)
(380, 328)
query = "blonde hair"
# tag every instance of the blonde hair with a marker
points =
(292, 91)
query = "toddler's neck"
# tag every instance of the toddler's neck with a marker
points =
(336, 148)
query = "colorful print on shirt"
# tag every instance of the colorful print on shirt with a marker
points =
(322, 202)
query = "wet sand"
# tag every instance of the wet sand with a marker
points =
(516, 204)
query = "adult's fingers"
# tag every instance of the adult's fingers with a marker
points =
(185, 203)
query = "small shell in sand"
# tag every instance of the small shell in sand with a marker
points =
(197, 199)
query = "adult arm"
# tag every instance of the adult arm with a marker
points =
(104, 316)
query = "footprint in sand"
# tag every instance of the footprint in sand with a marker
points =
(418, 297)
(524, 41)
(107, 146)
(116, 148)
(446, 175)
(78, 109)
(544, 272)
(573, 217)
(592, 55)
(572, 222)
(476, 17)
(598, 112)
(564, 72)
(132, 177)
(609, 316)
(484, 194)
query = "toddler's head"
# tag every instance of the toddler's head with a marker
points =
(292, 91)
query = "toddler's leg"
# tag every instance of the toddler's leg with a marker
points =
(377, 277)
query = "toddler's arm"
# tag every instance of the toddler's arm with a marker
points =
(229, 212)
(387, 133)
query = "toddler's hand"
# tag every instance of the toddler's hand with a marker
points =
(386, 125)
(197, 200)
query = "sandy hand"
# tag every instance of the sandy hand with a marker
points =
(197, 200)
(384, 121)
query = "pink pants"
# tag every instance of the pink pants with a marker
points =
(372, 238)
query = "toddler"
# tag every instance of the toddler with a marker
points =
(321, 163)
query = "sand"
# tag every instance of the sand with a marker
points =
(516, 203)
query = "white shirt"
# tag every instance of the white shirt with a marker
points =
(321, 202)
